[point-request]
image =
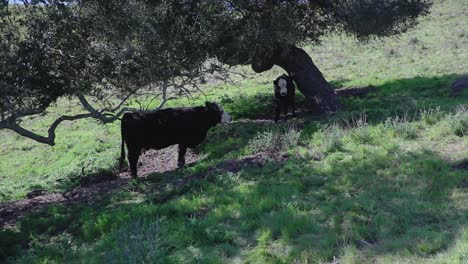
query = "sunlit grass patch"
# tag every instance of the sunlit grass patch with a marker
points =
(275, 141)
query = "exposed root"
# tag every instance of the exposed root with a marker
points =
(355, 91)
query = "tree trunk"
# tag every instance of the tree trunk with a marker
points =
(307, 76)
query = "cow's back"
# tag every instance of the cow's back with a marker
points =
(291, 87)
(163, 128)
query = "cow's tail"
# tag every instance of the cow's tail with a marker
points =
(122, 151)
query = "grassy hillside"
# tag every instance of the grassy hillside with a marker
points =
(382, 181)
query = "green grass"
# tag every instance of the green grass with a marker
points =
(27, 165)
(373, 183)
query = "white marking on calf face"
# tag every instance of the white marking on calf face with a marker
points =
(283, 87)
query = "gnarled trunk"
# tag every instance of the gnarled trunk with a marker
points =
(307, 76)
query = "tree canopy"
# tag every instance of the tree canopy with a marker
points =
(112, 49)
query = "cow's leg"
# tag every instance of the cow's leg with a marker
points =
(277, 111)
(293, 105)
(122, 154)
(285, 108)
(182, 151)
(133, 155)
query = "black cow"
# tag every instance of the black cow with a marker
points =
(284, 95)
(186, 126)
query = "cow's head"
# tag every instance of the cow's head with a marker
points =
(281, 85)
(224, 117)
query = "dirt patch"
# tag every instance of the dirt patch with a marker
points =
(92, 186)
(35, 193)
(161, 161)
(90, 191)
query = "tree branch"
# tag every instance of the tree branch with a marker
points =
(99, 114)
(164, 95)
(50, 139)
(11, 122)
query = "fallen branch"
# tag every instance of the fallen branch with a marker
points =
(355, 91)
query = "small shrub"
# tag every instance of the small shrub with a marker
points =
(362, 135)
(431, 116)
(455, 123)
(291, 137)
(356, 122)
(266, 141)
(402, 127)
(138, 241)
(329, 139)
(458, 122)
(333, 138)
(359, 129)
(351, 255)
(273, 141)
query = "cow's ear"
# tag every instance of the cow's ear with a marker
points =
(275, 82)
(209, 105)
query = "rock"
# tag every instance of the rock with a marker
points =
(459, 85)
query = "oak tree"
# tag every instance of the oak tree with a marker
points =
(109, 51)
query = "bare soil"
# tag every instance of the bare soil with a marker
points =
(160, 161)
(91, 191)
(10, 212)
(92, 188)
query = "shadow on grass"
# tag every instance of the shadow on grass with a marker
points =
(407, 96)
(388, 203)
(283, 212)
(260, 106)
(83, 180)
(397, 97)
(276, 212)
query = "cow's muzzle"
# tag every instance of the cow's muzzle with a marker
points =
(225, 118)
